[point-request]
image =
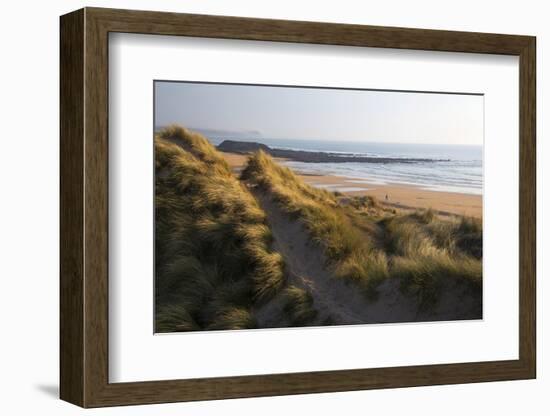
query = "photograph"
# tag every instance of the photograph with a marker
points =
(277, 204)
(280, 206)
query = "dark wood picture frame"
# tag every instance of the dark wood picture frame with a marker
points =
(84, 207)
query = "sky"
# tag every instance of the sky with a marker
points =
(322, 114)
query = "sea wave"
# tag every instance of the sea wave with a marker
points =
(440, 176)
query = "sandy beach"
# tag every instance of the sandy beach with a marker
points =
(405, 197)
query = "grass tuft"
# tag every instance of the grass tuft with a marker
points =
(234, 318)
(427, 254)
(299, 306)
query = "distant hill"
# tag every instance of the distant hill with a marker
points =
(221, 133)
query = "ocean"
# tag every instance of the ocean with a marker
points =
(458, 168)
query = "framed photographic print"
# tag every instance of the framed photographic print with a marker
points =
(255, 207)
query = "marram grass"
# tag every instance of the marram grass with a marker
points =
(366, 245)
(215, 262)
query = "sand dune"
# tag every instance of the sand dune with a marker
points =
(260, 248)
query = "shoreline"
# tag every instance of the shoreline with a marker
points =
(403, 197)
(313, 156)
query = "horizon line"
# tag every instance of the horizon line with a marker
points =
(197, 129)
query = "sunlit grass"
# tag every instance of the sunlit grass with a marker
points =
(349, 250)
(213, 260)
(366, 244)
(428, 252)
(298, 305)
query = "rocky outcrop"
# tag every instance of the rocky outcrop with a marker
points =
(233, 146)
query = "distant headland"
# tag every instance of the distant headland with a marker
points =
(242, 147)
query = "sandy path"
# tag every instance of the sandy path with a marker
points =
(332, 298)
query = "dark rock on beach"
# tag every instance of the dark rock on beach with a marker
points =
(233, 146)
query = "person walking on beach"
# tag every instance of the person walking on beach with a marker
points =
(387, 197)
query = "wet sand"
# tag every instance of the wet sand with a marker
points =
(399, 196)
(402, 196)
